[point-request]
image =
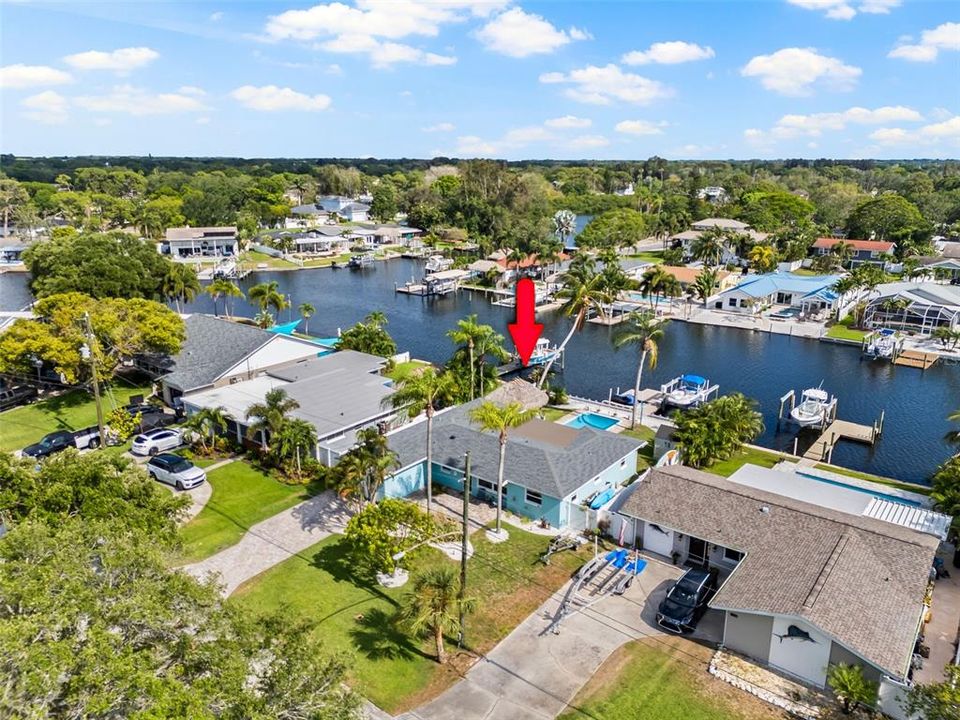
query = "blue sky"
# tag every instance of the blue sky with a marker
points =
(419, 78)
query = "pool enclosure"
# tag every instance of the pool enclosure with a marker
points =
(917, 308)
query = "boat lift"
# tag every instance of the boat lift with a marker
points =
(604, 575)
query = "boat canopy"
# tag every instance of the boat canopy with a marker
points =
(693, 380)
(816, 394)
(887, 332)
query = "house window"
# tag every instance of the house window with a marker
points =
(733, 302)
(784, 298)
(486, 485)
(533, 498)
(732, 555)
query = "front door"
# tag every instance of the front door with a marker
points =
(697, 551)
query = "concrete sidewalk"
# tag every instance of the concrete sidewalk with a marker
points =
(533, 674)
(274, 540)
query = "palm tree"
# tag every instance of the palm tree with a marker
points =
(495, 418)
(364, 468)
(842, 251)
(270, 415)
(268, 295)
(480, 341)
(306, 311)
(180, 284)
(851, 687)
(644, 331)
(421, 392)
(222, 288)
(658, 281)
(705, 283)
(295, 439)
(709, 246)
(583, 291)
(206, 422)
(433, 606)
(564, 225)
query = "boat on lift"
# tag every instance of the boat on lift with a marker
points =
(543, 352)
(358, 262)
(438, 263)
(686, 391)
(883, 345)
(814, 408)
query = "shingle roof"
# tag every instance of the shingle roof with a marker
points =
(860, 580)
(874, 245)
(920, 292)
(725, 223)
(198, 233)
(556, 468)
(212, 346)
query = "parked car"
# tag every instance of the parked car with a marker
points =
(686, 600)
(11, 397)
(62, 439)
(155, 441)
(175, 470)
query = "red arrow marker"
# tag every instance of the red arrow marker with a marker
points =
(526, 330)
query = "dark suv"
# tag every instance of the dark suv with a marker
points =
(686, 600)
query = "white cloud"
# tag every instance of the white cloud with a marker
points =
(471, 145)
(216, 17)
(440, 127)
(520, 34)
(942, 37)
(24, 76)
(191, 90)
(365, 26)
(568, 121)
(844, 10)
(270, 98)
(602, 85)
(48, 107)
(137, 101)
(639, 127)
(668, 53)
(814, 125)
(120, 61)
(526, 135)
(333, 69)
(204, 120)
(794, 71)
(945, 132)
(585, 142)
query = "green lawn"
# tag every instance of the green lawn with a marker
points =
(805, 271)
(242, 496)
(663, 680)
(70, 411)
(252, 258)
(890, 482)
(325, 261)
(355, 614)
(763, 458)
(843, 331)
(552, 414)
(401, 370)
(655, 256)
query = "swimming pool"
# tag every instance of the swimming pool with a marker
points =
(865, 491)
(592, 420)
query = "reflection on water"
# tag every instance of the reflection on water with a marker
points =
(759, 365)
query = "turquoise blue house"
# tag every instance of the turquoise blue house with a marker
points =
(549, 469)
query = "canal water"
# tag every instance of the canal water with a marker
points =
(760, 365)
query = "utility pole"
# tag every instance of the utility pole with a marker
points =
(96, 380)
(463, 549)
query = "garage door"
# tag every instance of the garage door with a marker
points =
(657, 539)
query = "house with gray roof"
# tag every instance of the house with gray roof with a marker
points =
(339, 393)
(919, 306)
(219, 352)
(550, 469)
(804, 585)
(185, 244)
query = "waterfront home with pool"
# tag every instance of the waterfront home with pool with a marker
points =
(810, 295)
(919, 306)
(813, 571)
(551, 470)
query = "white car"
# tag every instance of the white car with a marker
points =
(156, 441)
(175, 470)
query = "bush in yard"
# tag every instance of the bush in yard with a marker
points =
(936, 701)
(717, 429)
(123, 424)
(388, 527)
(851, 687)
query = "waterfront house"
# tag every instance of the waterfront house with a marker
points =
(380, 235)
(948, 267)
(340, 393)
(918, 306)
(810, 577)
(808, 294)
(864, 251)
(11, 250)
(324, 240)
(551, 470)
(219, 352)
(186, 244)
(687, 276)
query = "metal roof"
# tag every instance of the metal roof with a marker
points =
(760, 286)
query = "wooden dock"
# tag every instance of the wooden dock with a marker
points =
(822, 448)
(915, 359)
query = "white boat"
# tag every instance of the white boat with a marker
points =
(883, 345)
(438, 263)
(686, 391)
(815, 404)
(360, 261)
(543, 352)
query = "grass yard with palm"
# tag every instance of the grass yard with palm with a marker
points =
(663, 679)
(242, 496)
(354, 614)
(763, 458)
(69, 411)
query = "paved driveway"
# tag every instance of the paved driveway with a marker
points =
(533, 673)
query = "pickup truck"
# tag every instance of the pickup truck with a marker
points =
(60, 440)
